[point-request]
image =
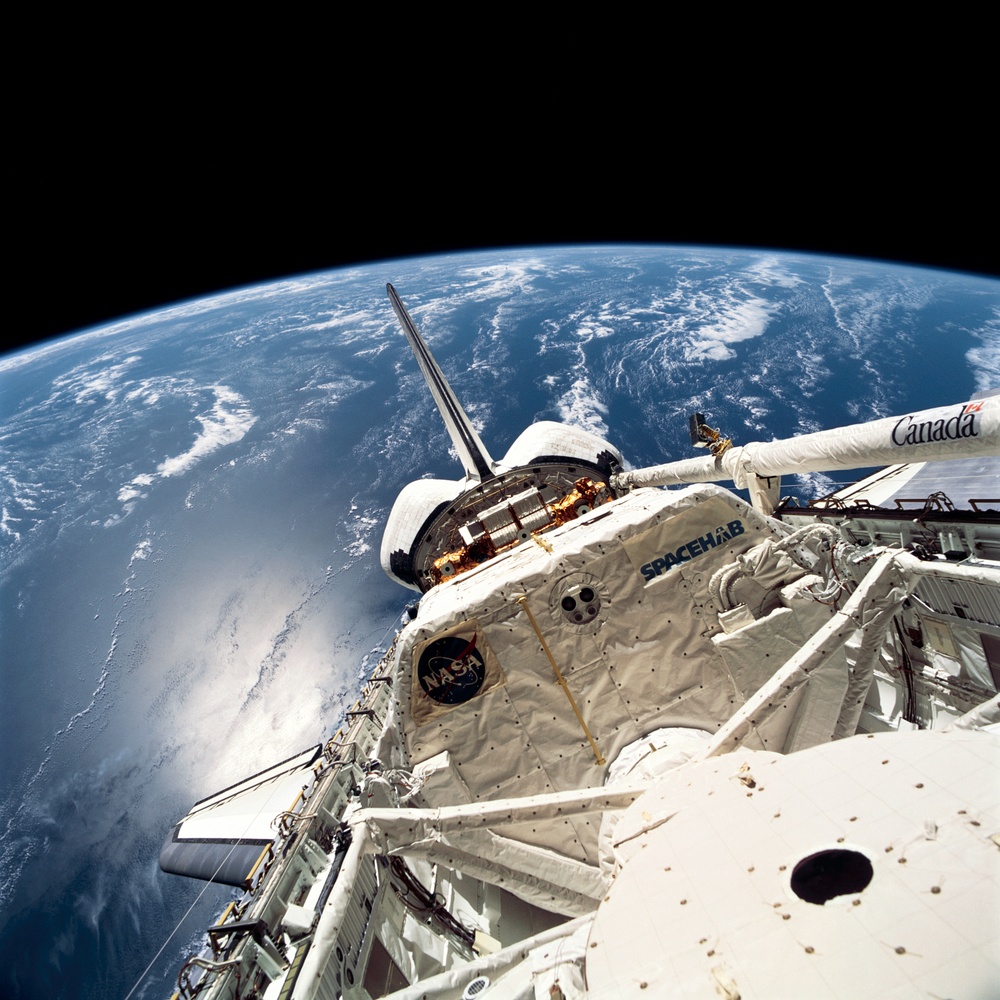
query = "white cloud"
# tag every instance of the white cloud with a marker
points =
(228, 421)
(985, 359)
(582, 407)
(731, 322)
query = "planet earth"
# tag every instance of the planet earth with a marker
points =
(192, 503)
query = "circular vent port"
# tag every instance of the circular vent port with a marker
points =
(827, 874)
(582, 606)
(476, 988)
(581, 600)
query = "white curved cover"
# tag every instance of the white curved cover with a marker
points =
(546, 437)
(414, 504)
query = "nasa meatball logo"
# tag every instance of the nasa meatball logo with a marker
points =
(452, 670)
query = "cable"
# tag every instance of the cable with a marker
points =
(177, 927)
(187, 913)
(906, 669)
(236, 843)
(425, 901)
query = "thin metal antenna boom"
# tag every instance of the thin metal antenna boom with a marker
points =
(472, 452)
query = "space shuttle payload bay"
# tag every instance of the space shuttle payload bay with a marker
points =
(633, 738)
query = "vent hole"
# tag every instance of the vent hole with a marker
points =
(828, 874)
(475, 988)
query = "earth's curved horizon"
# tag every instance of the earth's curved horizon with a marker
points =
(191, 503)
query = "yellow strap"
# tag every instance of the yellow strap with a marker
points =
(523, 601)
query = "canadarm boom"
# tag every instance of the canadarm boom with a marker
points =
(962, 430)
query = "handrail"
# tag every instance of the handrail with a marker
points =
(523, 601)
(248, 881)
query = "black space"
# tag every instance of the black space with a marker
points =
(95, 241)
(181, 162)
